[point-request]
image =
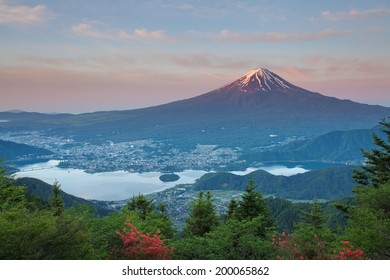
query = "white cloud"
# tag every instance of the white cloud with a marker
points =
(23, 14)
(355, 14)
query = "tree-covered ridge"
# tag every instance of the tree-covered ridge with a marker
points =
(324, 183)
(250, 228)
(12, 151)
(37, 188)
(337, 146)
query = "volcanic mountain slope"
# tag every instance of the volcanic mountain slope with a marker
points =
(257, 81)
(242, 113)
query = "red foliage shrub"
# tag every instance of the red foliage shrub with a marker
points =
(139, 246)
(348, 253)
(289, 250)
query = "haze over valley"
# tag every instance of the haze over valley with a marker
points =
(258, 121)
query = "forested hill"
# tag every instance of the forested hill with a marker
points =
(325, 183)
(11, 151)
(44, 191)
(338, 146)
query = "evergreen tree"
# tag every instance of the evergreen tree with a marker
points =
(5, 181)
(163, 211)
(29, 232)
(56, 201)
(68, 239)
(10, 196)
(311, 238)
(376, 170)
(315, 217)
(252, 204)
(202, 217)
(140, 204)
(142, 213)
(369, 222)
(230, 240)
(232, 208)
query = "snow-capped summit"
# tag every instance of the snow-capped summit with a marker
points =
(259, 80)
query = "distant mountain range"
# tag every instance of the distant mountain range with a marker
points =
(242, 113)
(324, 183)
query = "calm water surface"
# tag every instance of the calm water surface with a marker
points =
(121, 185)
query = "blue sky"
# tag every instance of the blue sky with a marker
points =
(79, 56)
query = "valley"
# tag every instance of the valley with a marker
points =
(132, 156)
(259, 152)
(258, 119)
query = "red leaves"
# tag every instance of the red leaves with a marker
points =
(140, 246)
(288, 250)
(349, 253)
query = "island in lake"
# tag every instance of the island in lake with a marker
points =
(169, 178)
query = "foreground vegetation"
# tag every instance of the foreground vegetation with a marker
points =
(31, 228)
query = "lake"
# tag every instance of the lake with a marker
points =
(121, 185)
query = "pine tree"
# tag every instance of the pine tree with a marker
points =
(10, 196)
(56, 201)
(376, 170)
(140, 204)
(202, 217)
(369, 222)
(315, 217)
(252, 204)
(232, 208)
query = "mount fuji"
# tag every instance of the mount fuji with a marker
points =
(256, 109)
(259, 80)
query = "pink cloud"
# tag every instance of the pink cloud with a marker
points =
(150, 35)
(291, 72)
(210, 61)
(105, 64)
(23, 14)
(333, 66)
(355, 14)
(87, 30)
(226, 35)
(144, 34)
